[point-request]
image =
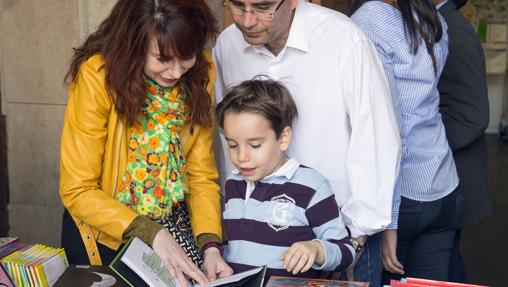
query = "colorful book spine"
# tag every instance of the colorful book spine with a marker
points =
(35, 265)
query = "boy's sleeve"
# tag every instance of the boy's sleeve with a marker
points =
(324, 217)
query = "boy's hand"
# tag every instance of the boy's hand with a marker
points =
(214, 266)
(301, 255)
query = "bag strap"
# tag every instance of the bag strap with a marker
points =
(422, 32)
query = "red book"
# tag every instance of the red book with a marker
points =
(396, 283)
(434, 283)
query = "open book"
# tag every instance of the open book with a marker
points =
(138, 265)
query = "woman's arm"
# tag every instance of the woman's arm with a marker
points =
(81, 155)
(204, 196)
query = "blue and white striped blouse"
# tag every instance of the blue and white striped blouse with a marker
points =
(427, 170)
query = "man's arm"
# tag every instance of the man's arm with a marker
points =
(374, 149)
(463, 88)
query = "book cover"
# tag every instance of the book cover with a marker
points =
(138, 265)
(5, 241)
(250, 278)
(88, 276)
(277, 281)
(434, 283)
(125, 272)
(35, 265)
(5, 280)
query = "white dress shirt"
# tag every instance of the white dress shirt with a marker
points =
(346, 128)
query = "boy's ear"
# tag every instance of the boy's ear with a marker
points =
(285, 138)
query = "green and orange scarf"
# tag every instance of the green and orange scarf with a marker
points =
(155, 176)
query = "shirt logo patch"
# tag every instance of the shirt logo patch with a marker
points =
(281, 212)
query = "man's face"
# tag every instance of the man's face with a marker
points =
(265, 32)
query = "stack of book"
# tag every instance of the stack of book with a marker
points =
(31, 264)
(417, 282)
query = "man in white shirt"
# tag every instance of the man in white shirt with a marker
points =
(346, 128)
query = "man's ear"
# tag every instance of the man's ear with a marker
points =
(285, 138)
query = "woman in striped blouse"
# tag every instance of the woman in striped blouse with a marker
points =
(412, 43)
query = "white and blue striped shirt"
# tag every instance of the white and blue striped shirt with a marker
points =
(427, 169)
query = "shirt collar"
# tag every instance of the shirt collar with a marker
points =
(298, 36)
(287, 170)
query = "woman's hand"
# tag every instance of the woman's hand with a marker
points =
(175, 259)
(388, 252)
(214, 265)
(301, 256)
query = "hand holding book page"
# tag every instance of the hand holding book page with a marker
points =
(214, 265)
(141, 259)
(175, 259)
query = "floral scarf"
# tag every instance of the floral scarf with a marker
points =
(155, 176)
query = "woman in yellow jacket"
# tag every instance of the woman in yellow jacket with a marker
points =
(137, 136)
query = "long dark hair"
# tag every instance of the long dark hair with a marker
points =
(426, 13)
(180, 27)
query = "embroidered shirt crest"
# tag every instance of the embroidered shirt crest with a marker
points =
(281, 212)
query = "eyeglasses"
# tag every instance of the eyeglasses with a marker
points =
(261, 13)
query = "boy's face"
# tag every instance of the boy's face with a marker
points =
(253, 146)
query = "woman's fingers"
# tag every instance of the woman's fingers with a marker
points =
(181, 278)
(197, 275)
(391, 266)
(191, 270)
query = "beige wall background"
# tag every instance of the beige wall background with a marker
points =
(36, 41)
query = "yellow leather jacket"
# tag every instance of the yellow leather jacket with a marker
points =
(93, 159)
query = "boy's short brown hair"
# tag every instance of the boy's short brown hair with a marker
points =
(267, 98)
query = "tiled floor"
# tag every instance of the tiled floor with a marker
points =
(485, 247)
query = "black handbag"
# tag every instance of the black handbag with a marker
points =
(179, 225)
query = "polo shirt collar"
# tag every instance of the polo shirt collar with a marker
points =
(287, 170)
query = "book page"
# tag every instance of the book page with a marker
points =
(231, 279)
(142, 259)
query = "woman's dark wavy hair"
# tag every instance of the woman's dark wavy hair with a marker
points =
(181, 29)
(424, 10)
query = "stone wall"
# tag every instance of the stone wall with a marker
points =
(36, 41)
(493, 10)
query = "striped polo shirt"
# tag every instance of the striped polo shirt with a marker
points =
(293, 204)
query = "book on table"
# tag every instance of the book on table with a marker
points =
(31, 264)
(418, 282)
(278, 281)
(89, 275)
(138, 265)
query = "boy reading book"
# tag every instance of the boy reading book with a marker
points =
(278, 212)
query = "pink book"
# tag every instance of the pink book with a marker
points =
(434, 283)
